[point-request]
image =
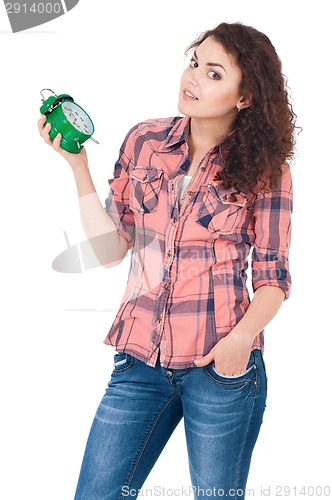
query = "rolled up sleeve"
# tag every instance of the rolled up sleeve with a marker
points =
(117, 202)
(272, 227)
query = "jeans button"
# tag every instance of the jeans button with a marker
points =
(169, 373)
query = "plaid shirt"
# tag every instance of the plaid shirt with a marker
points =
(186, 287)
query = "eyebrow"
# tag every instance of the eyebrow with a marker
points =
(210, 63)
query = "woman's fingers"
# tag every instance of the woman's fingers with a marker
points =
(41, 122)
(45, 131)
(75, 160)
(56, 143)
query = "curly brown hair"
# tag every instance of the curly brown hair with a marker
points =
(264, 137)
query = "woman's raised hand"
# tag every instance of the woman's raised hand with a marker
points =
(75, 160)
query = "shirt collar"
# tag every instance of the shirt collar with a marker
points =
(180, 132)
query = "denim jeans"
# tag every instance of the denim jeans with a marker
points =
(142, 406)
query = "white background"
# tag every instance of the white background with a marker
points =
(122, 62)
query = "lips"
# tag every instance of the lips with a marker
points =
(189, 96)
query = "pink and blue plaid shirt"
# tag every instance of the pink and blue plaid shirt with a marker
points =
(186, 286)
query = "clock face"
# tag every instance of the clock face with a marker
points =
(77, 117)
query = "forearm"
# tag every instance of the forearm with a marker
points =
(264, 306)
(108, 245)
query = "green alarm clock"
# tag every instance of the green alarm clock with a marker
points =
(68, 119)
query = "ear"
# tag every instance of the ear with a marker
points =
(244, 102)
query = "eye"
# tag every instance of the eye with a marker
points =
(213, 75)
(193, 63)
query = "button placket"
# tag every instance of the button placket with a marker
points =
(171, 238)
(194, 181)
(161, 303)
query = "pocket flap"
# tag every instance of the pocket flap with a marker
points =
(146, 174)
(223, 195)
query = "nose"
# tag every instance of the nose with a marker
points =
(194, 77)
(193, 81)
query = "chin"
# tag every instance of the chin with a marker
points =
(184, 111)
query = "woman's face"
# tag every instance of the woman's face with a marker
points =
(209, 86)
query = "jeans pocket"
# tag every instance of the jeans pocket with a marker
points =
(122, 361)
(219, 212)
(145, 187)
(232, 377)
(249, 376)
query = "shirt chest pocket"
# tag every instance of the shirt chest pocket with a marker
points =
(145, 188)
(218, 212)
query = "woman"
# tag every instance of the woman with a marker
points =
(191, 196)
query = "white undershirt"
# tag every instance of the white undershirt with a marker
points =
(183, 183)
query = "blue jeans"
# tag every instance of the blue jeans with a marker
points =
(142, 406)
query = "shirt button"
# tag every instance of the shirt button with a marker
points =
(169, 253)
(203, 169)
(165, 285)
(174, 220)
(190, 193)
(159, 319)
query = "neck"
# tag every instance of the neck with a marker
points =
(204, 134)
